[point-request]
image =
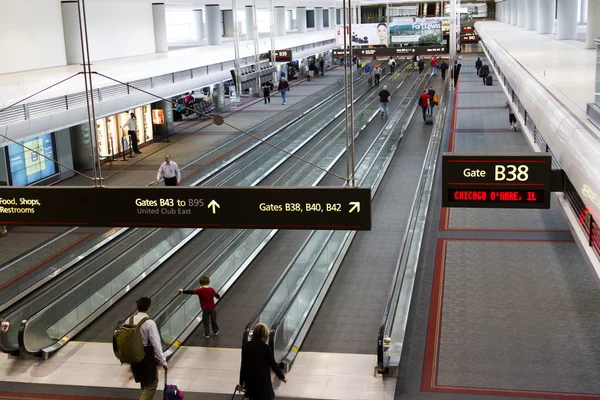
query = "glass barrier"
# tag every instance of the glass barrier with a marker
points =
(62, 316)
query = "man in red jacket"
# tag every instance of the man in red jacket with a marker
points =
(434, 66)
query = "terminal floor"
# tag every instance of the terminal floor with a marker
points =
(193, 139)
(504, 305)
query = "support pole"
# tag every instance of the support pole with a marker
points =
(256, 50)
(352, 177)
(236, 50)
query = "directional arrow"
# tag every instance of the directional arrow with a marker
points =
(214, 205)
(355, 206)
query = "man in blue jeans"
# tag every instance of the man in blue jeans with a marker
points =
(283, 87)
(384, 101)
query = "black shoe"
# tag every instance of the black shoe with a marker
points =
(138, 152)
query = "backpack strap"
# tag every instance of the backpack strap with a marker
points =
(139, 324)
(131, 321)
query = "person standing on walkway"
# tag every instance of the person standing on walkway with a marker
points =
(484, 71)
(421, 65)
(392, 65)
(131, 125)
(169, 170)
(283, 88)
(385, 97)
(322, 66)
(478, 65)
(415, 60)
(145, 373)
(512, 119)
(266, 87)
(207, 296)
(443, 69)
(434, 66)
(432, 99)
(257, 362)
(424, 102)
(377, 72)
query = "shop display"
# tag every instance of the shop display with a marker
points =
(26, 163)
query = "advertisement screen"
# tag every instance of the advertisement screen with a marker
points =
(26, 165)
(418, 31)
(364, 35)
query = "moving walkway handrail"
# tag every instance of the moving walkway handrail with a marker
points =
(430, 157)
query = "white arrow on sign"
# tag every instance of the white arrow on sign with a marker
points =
(214, 205)
(355, 206)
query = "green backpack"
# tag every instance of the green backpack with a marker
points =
(128, 342)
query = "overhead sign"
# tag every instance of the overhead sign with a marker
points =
(496, 180)
(201, 207)
(393, 51)
(283, 56)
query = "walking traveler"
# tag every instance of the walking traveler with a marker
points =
(169, 170)
(131, 125)
(434, 66)
(283, 87)
(140, 326)
(392, 65)
(207, 296)
(478, 65)
(377, 72)
(415, 60)
(385, 97)
(424, 103)
(322, 66)
(443, 69)
(257, 362)
(512, 120)
(457, 67)
(433, 99)
(421, 65)
(484, 71)
(266, 87)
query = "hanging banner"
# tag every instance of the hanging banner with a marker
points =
(363, 35)
(417, 32)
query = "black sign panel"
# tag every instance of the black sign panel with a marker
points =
(283, 56)
(197, 207)
(497, 180)
(393, 51)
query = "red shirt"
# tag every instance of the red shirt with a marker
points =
(434, 62)
(424, 99)
(207, 297)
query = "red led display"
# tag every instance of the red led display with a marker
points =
(502, 196)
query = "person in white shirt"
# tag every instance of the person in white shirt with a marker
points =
(169, 170)
(392, 65)
(146, 373)
(131, 125)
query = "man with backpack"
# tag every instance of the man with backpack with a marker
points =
(484, 71)
(433, 99)
(443, 69)
(138, 344)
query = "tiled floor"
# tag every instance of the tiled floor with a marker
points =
(206, 370)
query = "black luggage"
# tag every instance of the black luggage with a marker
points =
(428, 119)
(240, 389)
(177, 116)
(489, 80)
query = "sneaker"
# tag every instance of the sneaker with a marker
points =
(381, 115)
(216, 333)
(206, 336)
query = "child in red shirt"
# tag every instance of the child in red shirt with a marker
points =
(206, 294)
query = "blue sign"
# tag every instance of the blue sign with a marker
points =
(26, 164)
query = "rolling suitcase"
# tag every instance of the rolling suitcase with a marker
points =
(171, 392)
(428, 119)
(241, 390)
(489, 80)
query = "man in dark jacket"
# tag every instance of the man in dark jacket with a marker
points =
(421, 65)
(478, 64)
(257, 362)
(443, 69)
(484, 71)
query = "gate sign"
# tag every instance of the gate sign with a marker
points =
(283, 56)
(193, 207)
(496, 180)
(393, 51)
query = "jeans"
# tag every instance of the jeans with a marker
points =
(434, 70)
(425, 110)
(384, 107)
(209, 317)
(283, 95)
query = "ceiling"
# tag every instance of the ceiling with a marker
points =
(265, 3)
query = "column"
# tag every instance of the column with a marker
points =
(545, 16)
(301, 19)
(593, 24)
(584, 10)
(249, 23)
(507, 10)
(522, 13)
(281, 22)
(566, 20)
(331, 18)
(514, 10)
(198, 25)
(228, 23)
(289, 20)
(531, 15)
(70, 18)
(213, 23)
(319, 18)
(160, 27)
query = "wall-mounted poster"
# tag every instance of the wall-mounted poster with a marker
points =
(364, 35)
(419, 31)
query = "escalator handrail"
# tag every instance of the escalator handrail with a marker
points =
(388, 307)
